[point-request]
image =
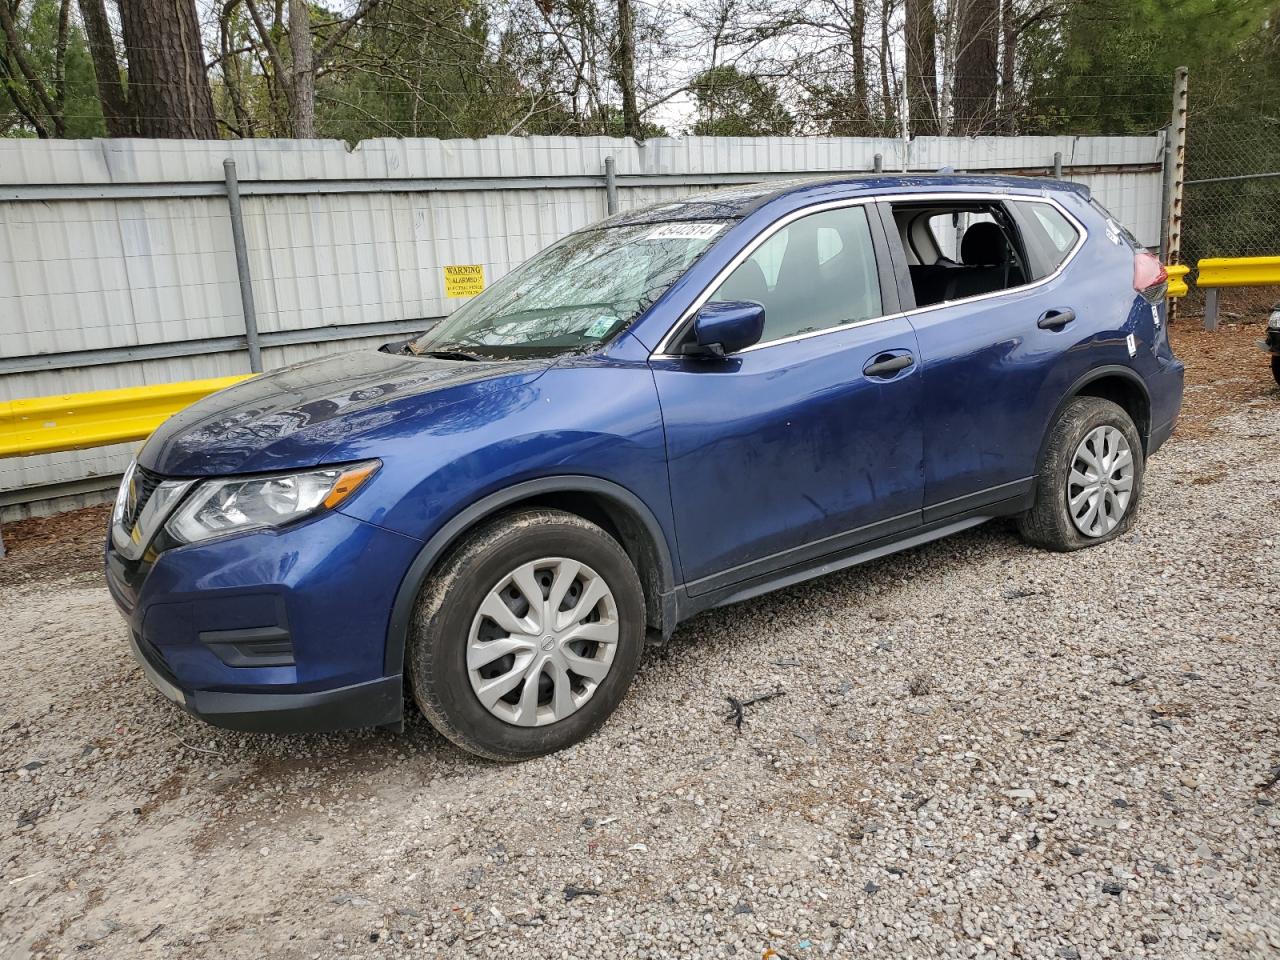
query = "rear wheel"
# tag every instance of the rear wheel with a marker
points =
(527, 636)
(1090, 478)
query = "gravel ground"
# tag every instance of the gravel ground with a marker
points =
(978, 750)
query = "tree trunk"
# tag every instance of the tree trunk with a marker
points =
(232, 71)
(60, 56)
(1008, 66)
(168, 84)
(303, 83)
(977, 65)
(858, 47)
(627, 70)
(102, 48)
(920, 39)
(887, 105)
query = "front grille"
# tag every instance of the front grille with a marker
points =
(144, 485)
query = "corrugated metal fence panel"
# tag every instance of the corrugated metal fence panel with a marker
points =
(84, 275)
(30, 162)
(164, 161)
(97, 270)
(1132, 198)
(985, 153)
(357, 258)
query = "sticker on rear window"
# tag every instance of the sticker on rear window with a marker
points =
(601, 326)
(684, 231)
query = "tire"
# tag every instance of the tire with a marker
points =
(1049, 523)
(1275, 366)
(449, 626)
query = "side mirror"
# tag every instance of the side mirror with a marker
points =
(726, 327)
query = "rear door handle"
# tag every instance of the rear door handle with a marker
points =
(885, 365)
(1055, 319)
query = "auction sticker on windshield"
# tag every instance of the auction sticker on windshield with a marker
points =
(463, 279)
(684, 231)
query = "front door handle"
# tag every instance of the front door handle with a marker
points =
(1055, 319)
(886, 365)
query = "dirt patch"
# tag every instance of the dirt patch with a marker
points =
(1225, 372)
(61, 546)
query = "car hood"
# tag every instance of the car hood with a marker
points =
(295, 416)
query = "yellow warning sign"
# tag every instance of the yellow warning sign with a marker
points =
(463, 279)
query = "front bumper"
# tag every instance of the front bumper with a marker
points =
(373, 703)
(276, 631)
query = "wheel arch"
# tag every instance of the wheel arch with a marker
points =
(1122, 386)
(611, 506)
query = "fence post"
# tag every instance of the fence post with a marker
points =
(242, 265)
(1057, 165)
(610, 186)
(1178, 171)
(1166, 192)
(877, 163)
(1211, 309)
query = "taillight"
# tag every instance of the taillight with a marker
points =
(1150, 277)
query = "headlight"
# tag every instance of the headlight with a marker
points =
(237, 504)
(1273, 322)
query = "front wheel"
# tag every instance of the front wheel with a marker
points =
(527, 636)
(1090, 478)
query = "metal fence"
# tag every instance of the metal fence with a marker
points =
(119, 265)
(1231, 205)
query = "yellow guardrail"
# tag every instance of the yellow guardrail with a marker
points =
(1238, 272)
(1177, 279)
(75, 421)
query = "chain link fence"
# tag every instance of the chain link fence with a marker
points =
(1231, 199)
(1231, 204)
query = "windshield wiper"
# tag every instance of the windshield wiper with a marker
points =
(449, 355)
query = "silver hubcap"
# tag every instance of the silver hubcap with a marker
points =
(1101, 481)
(542, 641)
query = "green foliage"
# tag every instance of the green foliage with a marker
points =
(731, 103)
(1234, 131)
(427, 69)
(833, 111)
(1106, 68)
(75, 94)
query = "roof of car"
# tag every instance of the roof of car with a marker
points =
(734, 203)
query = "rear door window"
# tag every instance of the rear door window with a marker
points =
(947, 230)
(962, 249)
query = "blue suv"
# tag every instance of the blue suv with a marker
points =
(675, 409)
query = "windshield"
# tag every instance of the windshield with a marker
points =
(575, 294)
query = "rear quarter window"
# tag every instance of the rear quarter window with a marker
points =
(1051, 235)
(1114, 226)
